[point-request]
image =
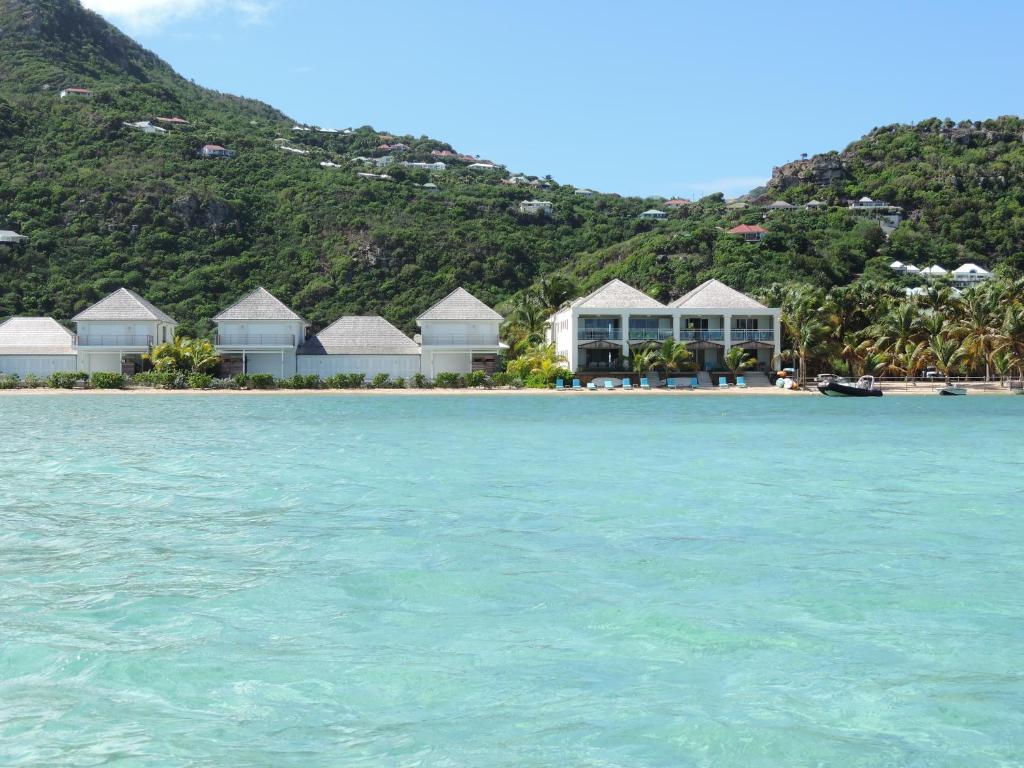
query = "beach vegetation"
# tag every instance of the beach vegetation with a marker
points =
(66, 379)
(449, 380)
(419, 381)
(262, 380)
(107, 380)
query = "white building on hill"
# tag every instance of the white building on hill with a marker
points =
(536, 207)
(115, 332)
(36, 346)
(969, 275)
(369, 345)
(600, 331)
(259, 334)
(459, 334)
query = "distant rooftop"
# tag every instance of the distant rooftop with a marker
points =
(35, 336)
(616, 294)
(460, 304)
(360, 335)
(123, 304)
(714, 294)
(259, 304)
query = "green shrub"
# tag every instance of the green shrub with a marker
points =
(105, 380)
(9, 381)
(241, 380)
(346, 381)
(540, 381)
(32, 382)
(476, 379)
(505, 379)
(160, 379)
(448, 380)
(200, 381)
(399, 383)
(262, 380)
(419, 381)
(67, 379)
(381, 381)
(224, 384)
(298, 381)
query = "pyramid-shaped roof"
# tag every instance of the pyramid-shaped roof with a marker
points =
(360, 335)
(460, 304)
(716, 295)
(970, 269)
(259, 304)
(123, 304)
(616, 294)
(35, 336)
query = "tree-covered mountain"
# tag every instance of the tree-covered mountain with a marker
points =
(105, 204)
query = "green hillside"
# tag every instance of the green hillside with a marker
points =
(106, 205)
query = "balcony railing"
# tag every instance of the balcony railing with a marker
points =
(257, 340)
(598, 334)
(115, 341)
(688, 334)
(752, 335)
(650, 334)
(460, 340)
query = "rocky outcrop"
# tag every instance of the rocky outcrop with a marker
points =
(820, 170)
(196, 213)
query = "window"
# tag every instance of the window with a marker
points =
(696, 323)
(746, 323)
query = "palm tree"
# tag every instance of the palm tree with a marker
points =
(555, 290)
(672, 356)
(946, 352)
(737, 360)
(1011, 337)
(200, 355)
(527, 323)
(907, 361)
(900, 325)
(977, 329)
(169, 356)
(801, 320)
(643, 359)
(540, 359)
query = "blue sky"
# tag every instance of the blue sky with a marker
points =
(659, 98)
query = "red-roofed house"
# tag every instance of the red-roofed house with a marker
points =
(171, 120)
(215, 150)
(75, 92)
(678, 202)
(751, 233)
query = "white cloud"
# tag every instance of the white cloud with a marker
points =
(730, 186)
(149, 15)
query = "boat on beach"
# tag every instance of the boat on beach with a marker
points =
(833, 386)
(951, 390)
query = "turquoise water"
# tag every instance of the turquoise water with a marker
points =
(471, 581)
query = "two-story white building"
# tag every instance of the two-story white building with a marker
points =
(459, 334)
(259, 334)
(599, 332)
(115, 333)
(360, 344)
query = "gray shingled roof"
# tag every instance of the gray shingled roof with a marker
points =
(35, 336)
(123, 304)
(259, 304)
(716, 295)
(616, 294)
(460, 304)
(352, 335)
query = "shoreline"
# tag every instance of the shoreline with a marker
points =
(896, 390)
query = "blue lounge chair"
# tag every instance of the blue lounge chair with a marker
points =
(609, 384)
(627, 384)
(576, 385)
(694, 383)
(722, 383)
(645, 384)
(560, 385)
(671, 384)
(741, 382)
(591, 385)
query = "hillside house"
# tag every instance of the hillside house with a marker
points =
(677, 202)
(117, 331)
(382, 176)
(653, 215)
(934, 271)
(171, 120)
(294, 150)
(443, 153)
(438, 166)
(7, 237)
(536, 207)
(146, 127)
(815, 205)
(75, 93)
(751, 233)
(259, 334)
(459, 334)
(367, 345)
(780, 205)
(215, 151)
(328, 164)
(36, 346)
(585, 192)
(483, 167)
(969, 275)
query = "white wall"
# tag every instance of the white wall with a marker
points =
(460, 328)
(99, 362)
(395, 366)
(262, 328)
(38, 365)
(270, 362)
(118, 328)
(446, 362)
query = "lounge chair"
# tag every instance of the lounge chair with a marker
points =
(627, 384)
(609, 384)
(694, 383)
(591, 385)
(645, 384)
(560, 385)
(741, 382)
(722, 383)
(576, 385)
(671, 384)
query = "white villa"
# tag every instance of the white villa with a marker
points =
(969, 275)
(36, 346)
(599, 331)
(369, 345)
(115, 332)
(259, 334)
(8, 237)
(438, 166)
(146, 127)
(536, 207)
(653, 215)
(459, 334)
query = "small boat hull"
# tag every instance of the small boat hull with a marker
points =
(836, 389)
(952, 391)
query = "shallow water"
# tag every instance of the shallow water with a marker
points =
(506, 582)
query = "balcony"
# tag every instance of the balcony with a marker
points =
(257, 340)
(460, 340)
(650, 334)
(115, 341)
(751, 335)
(688, 334)
(599, 334)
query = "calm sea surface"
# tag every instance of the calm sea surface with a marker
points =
(487, 582)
